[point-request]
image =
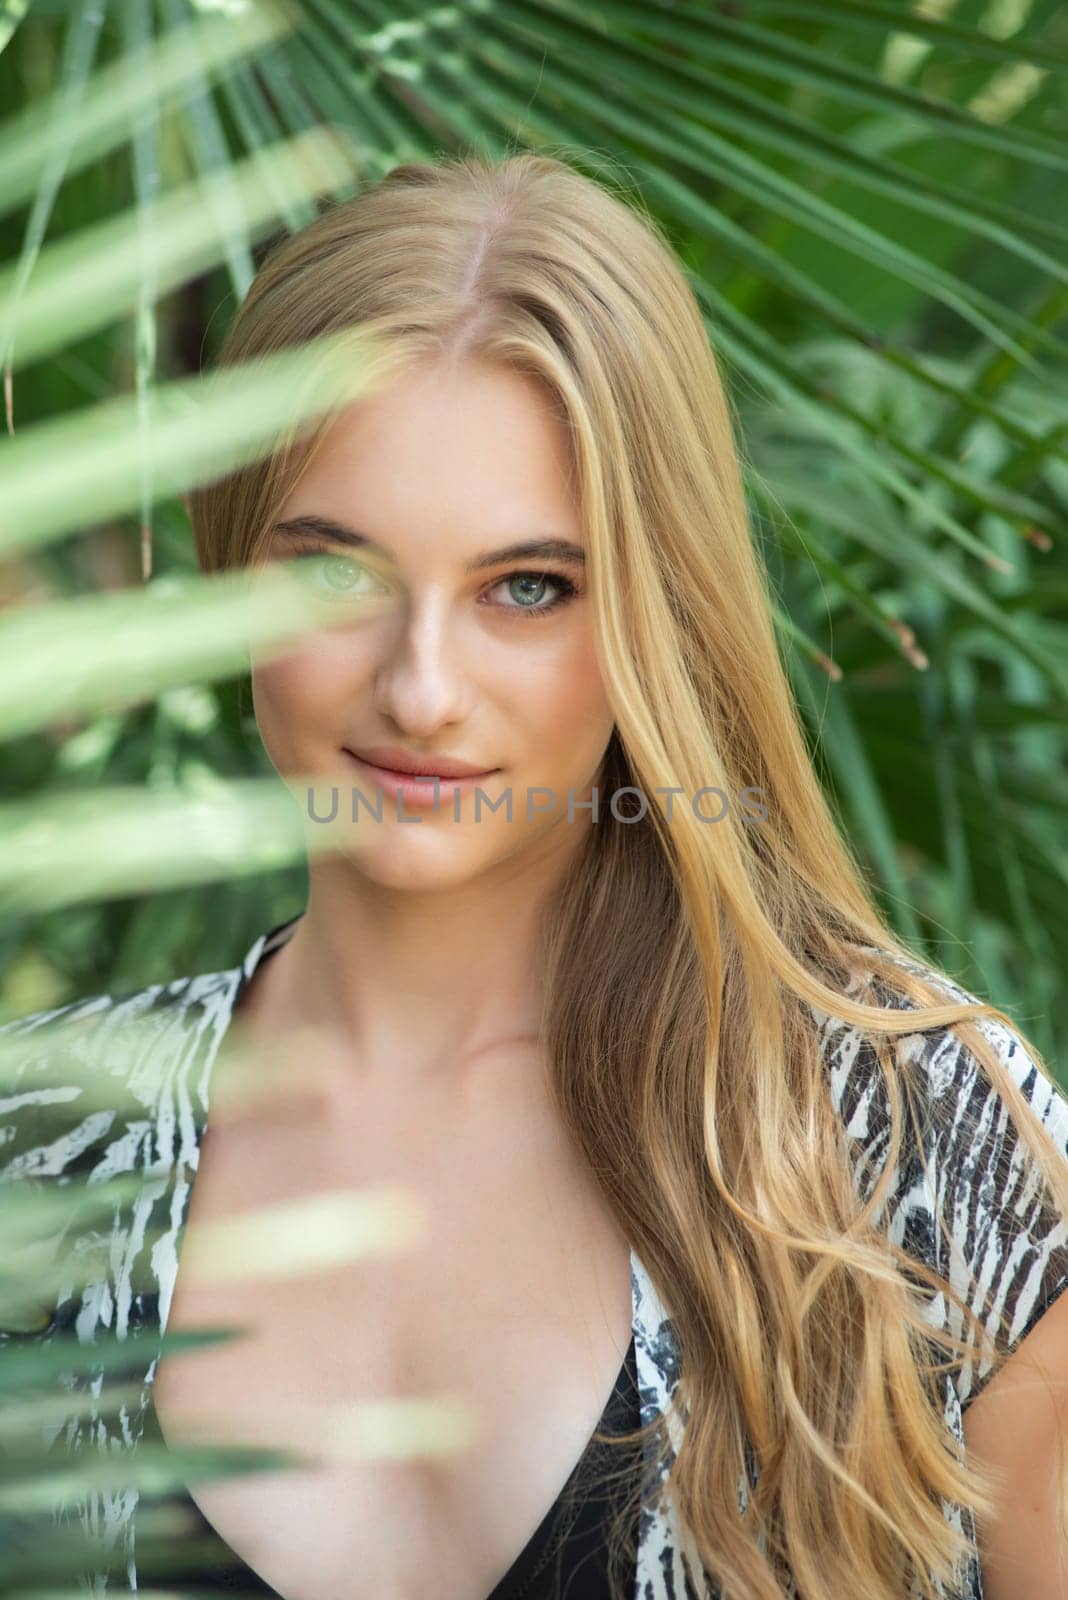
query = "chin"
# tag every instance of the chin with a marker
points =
(394, 863)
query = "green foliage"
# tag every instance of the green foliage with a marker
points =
(868, 202)
(869, 216)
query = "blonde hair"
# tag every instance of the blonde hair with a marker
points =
(683, 963)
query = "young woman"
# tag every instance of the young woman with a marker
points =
(739, 1217)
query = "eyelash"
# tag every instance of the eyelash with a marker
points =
(568, 590)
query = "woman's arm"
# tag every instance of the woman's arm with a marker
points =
(1019, 1423)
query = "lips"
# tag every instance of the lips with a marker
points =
(422, 791)
(404, 764)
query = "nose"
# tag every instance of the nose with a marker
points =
(420, 682)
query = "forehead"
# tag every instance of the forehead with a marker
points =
(446, 449)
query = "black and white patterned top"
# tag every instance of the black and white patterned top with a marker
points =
(51, 1130)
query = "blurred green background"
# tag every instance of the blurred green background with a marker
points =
(868, 201)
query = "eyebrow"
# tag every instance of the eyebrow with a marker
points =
(547, 549)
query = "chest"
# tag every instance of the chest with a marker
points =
(513, 1305)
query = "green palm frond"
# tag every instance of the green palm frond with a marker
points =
(840, 179)
(869, 203)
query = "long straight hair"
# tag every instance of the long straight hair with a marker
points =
(686, 964)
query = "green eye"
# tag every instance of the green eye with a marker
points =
(337, 576)
(338, 573)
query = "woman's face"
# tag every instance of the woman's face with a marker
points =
(446, 646)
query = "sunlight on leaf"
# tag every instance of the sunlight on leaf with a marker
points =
(98, 653)
(305, 1235)
(94, 276)
(61, 849)
(69, 473)
(121, 92)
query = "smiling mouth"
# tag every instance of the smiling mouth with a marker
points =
(403, 776)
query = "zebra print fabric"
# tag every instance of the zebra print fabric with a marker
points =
(141, 1112)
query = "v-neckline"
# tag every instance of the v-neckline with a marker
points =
(656, 1356)
(522, 1569)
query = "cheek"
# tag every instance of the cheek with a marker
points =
(298, 697)
(564, 700)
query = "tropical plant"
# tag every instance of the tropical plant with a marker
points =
(867, 199)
